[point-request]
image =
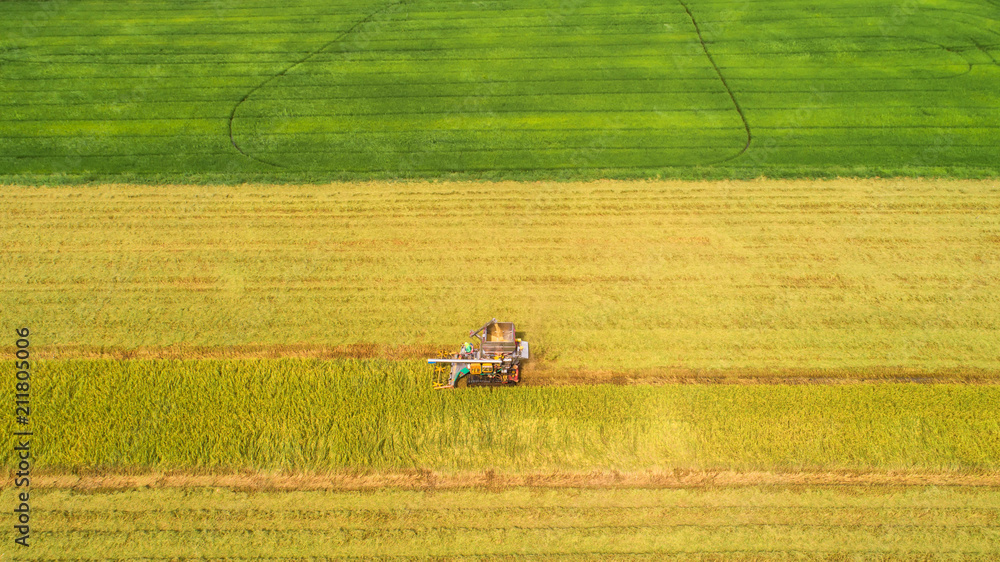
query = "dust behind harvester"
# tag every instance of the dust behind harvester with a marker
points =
(494, 361)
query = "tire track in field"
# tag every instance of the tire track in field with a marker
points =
(725, 84)
(685, 554)
(338, 38)
(421, 479)
(368, 532)
(536, 513)
(985, 50)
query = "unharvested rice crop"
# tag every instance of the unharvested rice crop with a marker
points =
(307, 415)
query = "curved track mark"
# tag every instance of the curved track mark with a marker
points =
(985, 50)
(732, 96)
(957, 51)
(232, 114)
(977, 18)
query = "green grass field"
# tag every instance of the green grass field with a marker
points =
(308, 91)
(848, 279)
(319, 416)
(747, 523)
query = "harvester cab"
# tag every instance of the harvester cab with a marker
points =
(495, 360)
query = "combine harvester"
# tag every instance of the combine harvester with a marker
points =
(495, 361)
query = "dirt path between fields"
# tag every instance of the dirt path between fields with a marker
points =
(491, 480)
(538, 372)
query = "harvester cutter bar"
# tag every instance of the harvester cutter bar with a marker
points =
(464, 361)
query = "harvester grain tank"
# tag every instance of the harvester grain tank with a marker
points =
(494, 361)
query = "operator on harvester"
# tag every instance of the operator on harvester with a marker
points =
(461, 369)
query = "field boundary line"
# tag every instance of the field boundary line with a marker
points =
(725, 84)
(423, 479)
(655, 554)
(560, 510)
(232, 114)
(413, 531)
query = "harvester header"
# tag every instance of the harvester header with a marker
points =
(495, 360)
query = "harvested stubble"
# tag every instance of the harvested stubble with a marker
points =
(847, 277)
(745, 524)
